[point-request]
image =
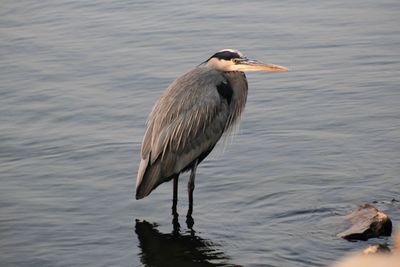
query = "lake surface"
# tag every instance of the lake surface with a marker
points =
(78, 78)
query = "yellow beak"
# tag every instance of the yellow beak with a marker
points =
(254, 65)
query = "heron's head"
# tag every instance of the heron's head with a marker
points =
(233, 60)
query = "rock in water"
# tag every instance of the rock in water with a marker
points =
(378, 248)
(372, 259)
(367, 222)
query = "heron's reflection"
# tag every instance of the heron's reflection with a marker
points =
(176, 248)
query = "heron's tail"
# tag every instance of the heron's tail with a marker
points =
(148, 177)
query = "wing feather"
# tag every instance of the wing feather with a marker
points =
(187, 121)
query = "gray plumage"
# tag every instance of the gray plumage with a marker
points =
(187, 122)
(190, 117)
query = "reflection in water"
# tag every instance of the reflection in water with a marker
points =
(176, 248)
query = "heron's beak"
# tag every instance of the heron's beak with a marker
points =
(254, 65)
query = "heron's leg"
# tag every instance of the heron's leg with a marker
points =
(191, 188)
(175, 196)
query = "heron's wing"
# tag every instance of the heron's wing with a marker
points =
(187, 122)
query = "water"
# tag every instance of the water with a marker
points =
(78, 79)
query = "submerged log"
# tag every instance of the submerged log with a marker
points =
(367, 222)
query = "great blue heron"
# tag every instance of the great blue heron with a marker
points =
(190, 118)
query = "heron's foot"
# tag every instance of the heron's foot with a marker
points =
(189, 221)
(174, 209)
(175, 223)
(189, 212)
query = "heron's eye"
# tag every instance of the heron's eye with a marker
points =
(235, 60)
